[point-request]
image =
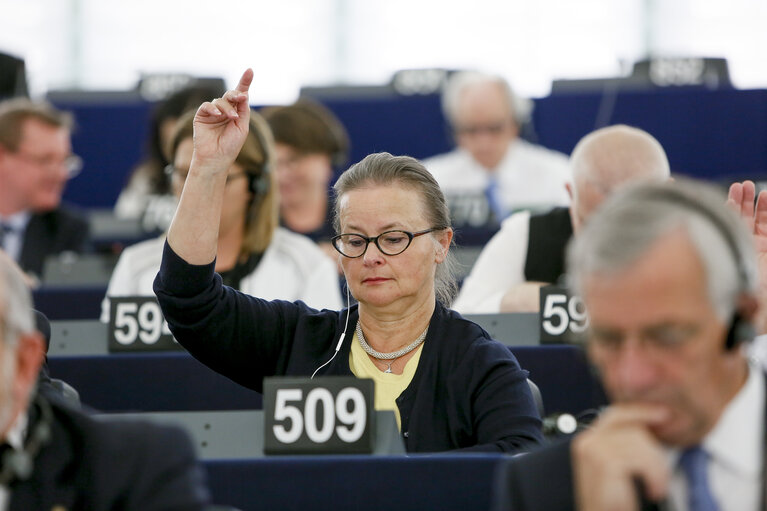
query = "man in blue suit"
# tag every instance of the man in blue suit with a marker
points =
(36, 161)
(54, 457)
(668, 275)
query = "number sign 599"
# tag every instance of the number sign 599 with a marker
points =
(563, 317)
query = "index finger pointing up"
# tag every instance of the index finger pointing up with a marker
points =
(245, 81)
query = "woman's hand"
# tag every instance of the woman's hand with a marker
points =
(220, 128)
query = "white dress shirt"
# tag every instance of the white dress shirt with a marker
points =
(735, 447)
(13, 241)
(14, 438)
(500, 265)
(292, 268)
(529, 177)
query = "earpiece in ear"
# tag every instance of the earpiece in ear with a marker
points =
(740, 330)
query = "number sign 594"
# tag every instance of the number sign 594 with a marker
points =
(136, 323)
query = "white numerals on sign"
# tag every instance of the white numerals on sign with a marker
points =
(354, 420)
(348, 408)
(553, 308)
(139, 321)
(579, 320)
(561, 313)
(125, 318)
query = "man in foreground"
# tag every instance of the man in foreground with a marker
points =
(668, 275)
(59, 458)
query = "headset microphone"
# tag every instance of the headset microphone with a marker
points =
(343, 334)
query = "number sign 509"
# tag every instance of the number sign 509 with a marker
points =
(348, 408)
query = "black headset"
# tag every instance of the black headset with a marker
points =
(17, 464)
(740, 329)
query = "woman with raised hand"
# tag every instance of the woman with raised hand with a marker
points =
(254, 254)
(449, 384)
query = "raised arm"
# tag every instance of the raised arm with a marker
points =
(220, 129)
(741, 199)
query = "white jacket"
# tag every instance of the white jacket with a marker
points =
(292, 268)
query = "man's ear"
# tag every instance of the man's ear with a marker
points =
(30, 352)
(569, 188)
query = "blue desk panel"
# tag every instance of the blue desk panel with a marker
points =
(81, 302)
(177, 382)
(720, 134)
(151, 382)
(348, 483)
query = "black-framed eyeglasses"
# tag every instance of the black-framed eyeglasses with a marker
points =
(389, 243)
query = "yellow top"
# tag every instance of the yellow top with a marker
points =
(388, 386)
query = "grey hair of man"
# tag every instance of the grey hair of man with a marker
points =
(383, 169)
(632, 220)
(15, 304)
(520, 108)
(608, 157)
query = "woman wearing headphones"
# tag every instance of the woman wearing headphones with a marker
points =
(254, 254)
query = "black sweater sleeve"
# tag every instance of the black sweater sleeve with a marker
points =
(240, 336)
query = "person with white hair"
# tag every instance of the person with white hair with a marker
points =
(669, 278)
(56, 457)
(529, 250)
(492, 171)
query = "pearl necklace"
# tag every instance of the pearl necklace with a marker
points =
(388, 356)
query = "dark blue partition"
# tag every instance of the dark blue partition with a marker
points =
(174, 381)
(715, 134)
(150, 382)
(712, 134)
(80, 302)
(352, 483)
(110, 136)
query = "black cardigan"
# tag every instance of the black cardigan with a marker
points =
(468, 391)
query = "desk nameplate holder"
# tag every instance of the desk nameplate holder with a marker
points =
(327, 415)
(136, 324)
(563, 317)
(239, 434)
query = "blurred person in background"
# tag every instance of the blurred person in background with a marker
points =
(493, 171)
(310, 143)
(36, 161)
(148, 194)
(529, 250)
(255, 255)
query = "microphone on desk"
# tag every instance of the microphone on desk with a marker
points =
(558, 424)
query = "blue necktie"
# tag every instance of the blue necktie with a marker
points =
(4, 229)
(494, 200)
(693, 462)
